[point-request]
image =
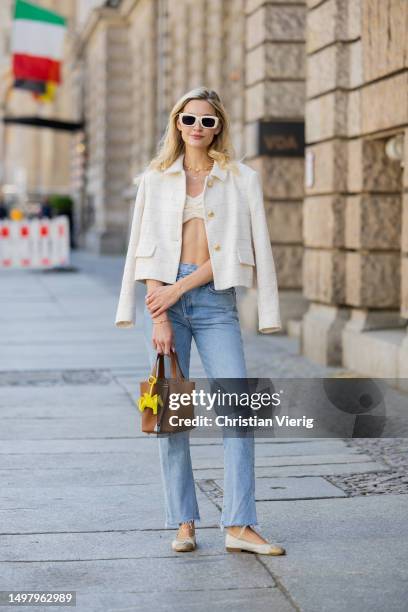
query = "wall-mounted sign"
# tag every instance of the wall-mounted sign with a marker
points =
(309, 168)
(281, 138)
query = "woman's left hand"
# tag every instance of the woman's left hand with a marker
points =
(159, 299)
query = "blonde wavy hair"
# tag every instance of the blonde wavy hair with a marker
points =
(171, 144)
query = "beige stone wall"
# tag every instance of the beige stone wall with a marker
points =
(176, 46)
(207, 47)
(83, 10)
(356, 99)
(275, 90)
(143, 76)
(103, 77)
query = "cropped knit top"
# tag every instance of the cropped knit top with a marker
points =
(193, 207)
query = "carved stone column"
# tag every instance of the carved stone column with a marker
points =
(105, 53)
(274, 111)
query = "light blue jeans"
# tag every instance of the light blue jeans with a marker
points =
(209, 316)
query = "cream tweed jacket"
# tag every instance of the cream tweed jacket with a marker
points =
(237, 233)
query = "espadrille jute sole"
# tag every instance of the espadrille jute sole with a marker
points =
(233, 544)
(273, 552)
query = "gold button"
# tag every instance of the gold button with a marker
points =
(210, 183)
(217, 247)
(211, 213)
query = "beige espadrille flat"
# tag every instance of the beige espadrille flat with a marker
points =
(237, 544)
(184, 543)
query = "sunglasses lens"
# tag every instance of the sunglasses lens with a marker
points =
(188, 119)
(208, 122)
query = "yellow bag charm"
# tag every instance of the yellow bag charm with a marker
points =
(147, 400)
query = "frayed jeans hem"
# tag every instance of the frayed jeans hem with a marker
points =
(223, 526)
(176, 524)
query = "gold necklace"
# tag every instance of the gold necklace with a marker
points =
(197, 176)
(197, 169)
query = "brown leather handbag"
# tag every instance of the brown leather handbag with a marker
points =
(154, 399)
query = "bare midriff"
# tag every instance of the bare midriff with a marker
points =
(194, 246)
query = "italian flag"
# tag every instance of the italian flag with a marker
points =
(37, 43)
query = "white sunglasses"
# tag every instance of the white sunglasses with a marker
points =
(206, 121)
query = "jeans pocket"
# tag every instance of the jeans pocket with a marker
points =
(212, 289)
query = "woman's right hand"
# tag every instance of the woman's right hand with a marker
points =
(163, 336)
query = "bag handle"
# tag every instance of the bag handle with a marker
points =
(159, 361)
(175, 365)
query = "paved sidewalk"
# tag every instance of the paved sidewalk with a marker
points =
(81, 505)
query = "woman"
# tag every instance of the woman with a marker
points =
(197, 213)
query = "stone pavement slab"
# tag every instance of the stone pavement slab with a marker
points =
(143, 575)
(343, 554)
(51, 427)
(275, 449)
(298, 471)
(305, 487)
(217, 600)
(83, 445)
(75, 508)
(125, 462)
(94, 544)
(100, 353)
(118, 468)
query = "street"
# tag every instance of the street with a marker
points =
(82, 502)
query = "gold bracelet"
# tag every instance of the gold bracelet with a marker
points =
(163, 321)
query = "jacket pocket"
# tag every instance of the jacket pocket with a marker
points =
(145, 249)
(246, 255)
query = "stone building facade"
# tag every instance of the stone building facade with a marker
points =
(355, 216)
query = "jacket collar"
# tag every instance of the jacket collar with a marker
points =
(177, 166)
